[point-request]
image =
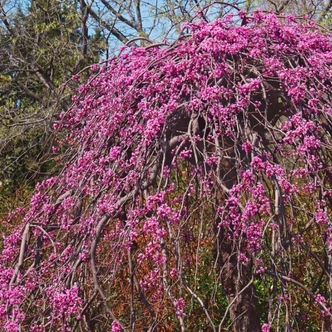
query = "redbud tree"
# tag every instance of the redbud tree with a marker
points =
(195, 190)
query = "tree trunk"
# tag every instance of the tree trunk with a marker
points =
(236, 280)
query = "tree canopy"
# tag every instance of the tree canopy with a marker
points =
(44, 43)
(194, 191)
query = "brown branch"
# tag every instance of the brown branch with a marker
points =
(111, 28)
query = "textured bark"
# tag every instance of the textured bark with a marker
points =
(237, 278)
(238, 287)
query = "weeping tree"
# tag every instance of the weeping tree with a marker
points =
(194, 191)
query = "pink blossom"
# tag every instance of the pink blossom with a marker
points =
(116, 327)
(180, 307)
(266, 327)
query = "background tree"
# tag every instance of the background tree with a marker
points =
(123, 21)
(195, 190)
(319, 10)
(42, 46)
